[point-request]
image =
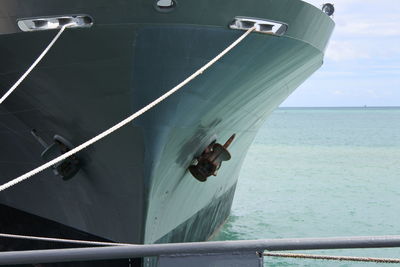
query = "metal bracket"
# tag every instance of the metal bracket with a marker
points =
(261, 25)
(51, 23)
(66, 168)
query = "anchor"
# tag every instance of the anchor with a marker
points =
(209, 162)
(65, 169)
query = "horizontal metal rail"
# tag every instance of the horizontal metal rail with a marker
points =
(136, 251)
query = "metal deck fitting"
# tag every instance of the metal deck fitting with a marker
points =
(260, 25)
(51, 23)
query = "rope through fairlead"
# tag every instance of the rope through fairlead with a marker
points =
(22, 78)
(125, 121)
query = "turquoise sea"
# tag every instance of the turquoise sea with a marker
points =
(321, 172)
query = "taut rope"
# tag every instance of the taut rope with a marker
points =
(125, 121)
(22, 78)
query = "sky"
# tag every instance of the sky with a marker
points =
(362, 61)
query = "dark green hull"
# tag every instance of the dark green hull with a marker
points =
(134, 185)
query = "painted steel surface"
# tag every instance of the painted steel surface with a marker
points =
(134, 185)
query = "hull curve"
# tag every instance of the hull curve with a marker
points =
(134, 186)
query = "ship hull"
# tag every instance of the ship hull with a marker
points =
(134, 185)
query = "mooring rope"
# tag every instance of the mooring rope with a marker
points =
(41, 56)
(332, 258)
(125, 121)
(63, 240)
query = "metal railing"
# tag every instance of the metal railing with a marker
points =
(248, 253)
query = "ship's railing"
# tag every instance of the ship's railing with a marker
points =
(219, 253)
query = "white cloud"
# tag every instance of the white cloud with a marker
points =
(345, 50)
(342, 49)
(369, 27)
(322, 74)
(338, 92)
(365, 17)
(362, 65)
(365, 29)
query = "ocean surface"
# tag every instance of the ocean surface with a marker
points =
(321, 172)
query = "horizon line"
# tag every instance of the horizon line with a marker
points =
(339, 106)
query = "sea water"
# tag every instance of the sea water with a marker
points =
(321, 172)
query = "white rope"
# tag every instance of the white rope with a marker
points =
(125, 121)
(335, 258)
(33, 65)
(62, 240)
